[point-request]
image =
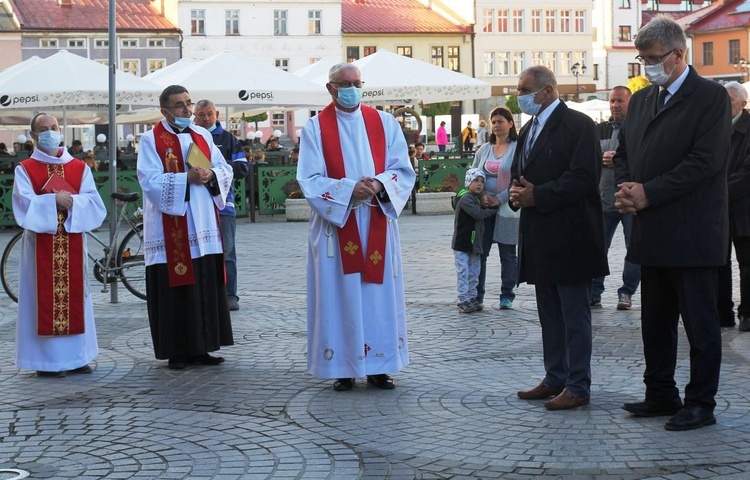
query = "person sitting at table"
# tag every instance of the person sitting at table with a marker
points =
(273, 145)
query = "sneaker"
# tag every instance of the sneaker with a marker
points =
(466, 307)
(478, 307)
(624, 302)
(506, 304)
(596, 303)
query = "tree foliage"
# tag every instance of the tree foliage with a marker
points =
(434, 109)
(261, 117)
(637, 83)
(511, 101)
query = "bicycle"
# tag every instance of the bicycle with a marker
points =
(128, 266)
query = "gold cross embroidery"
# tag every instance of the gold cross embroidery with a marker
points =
(376, 257)
(351, 248)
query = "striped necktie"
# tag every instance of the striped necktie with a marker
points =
(530, 139)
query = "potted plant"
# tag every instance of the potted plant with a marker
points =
(436, 199)
(296, 207)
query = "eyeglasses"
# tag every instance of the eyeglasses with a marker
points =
(654, 60)
(358, 84)
(181, 106)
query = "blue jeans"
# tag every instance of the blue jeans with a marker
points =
(467, 272)
(508, 264)
(441, 148)
(631, 273)
(228, 230)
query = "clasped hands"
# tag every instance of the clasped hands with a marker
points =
(366, 187)
(522, 193)
(200, 175)
(630, 198)
(64, 200)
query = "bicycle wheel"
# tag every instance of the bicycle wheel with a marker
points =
(131, 261)
(10, 266)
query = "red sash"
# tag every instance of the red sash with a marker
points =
(59, 260)
(350, 244)
(176, 241)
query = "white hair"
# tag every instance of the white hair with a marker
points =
(333, 73)
(738, 89)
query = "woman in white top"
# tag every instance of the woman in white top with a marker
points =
(494, 158)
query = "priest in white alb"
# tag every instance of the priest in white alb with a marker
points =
(185, 284)
(354, 171)
(55, 201)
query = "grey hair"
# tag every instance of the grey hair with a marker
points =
(33, 119)
(205, 103)
(738, 89)
(333, 73)
(542, 76)
(663, 30)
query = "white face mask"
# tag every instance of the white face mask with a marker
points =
(656, 74)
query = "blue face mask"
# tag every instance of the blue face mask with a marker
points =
(211, 128)
(182, 122)
(50, 140)
(349, 97)
(527, 105)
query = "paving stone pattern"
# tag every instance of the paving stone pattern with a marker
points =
(454, 413)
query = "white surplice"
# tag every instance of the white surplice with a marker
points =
(38, 214)
(165, 193)
(354, 328)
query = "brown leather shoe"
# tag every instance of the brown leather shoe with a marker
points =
(565, 401)
(539, 392)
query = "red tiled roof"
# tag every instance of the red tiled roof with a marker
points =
(88, 15)
(732, 14)
(394, 16)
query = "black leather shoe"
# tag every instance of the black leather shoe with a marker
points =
(42, 373)
(381, 380)
(744, 323)
(690, 418)
(83, 369)
(177, 363)
(207, 359)
(343, 384)
(650, 408)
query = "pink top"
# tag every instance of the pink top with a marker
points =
(441, 137)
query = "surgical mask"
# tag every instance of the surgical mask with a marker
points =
(50, 140)
(656, 74)
(182, 122)
(211, 128)
(527, 105)
(349, 97)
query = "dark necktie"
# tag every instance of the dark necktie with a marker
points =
(662, 98)
(529, 140)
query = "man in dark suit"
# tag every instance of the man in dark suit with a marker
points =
(556, 172)
(738, 182)
(670, 166)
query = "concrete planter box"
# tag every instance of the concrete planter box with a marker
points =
(434, 203)
(297, 210)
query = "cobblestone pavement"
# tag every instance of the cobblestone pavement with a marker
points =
(454, 413)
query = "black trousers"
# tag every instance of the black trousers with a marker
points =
(666, 295)
(742, 252)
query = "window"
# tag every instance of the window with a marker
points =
(565, 21)
(686, 5)
(518, 63)
(487, 20)
(282, 63)
(352, 53)
(453, 59)
(502, 21)
(580, 21)
(155, 43)
(734, 51)
(503, 64)
(48, 43)
(405, 51)
(536, 21)
(536, 58)
(312, 60)
(488, 64)
(624, 3)
(634, 69)
(277, 119)
(708, 53)
(279, 22)
(129, 43)
(596, 71)
(370, 50)
(76, 43)
(313, 22)
(232, 22)
(197, 22)
(550, 18)
(518, 21)
(103, 61)
(156, 64)
(565, 61)
(437, 56)
(101, 43)
(131, 66)
(624, 35)
(550, 61)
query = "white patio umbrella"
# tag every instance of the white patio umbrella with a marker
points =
(596, 109)
(315, 70)
(66, 80)
(231, 80)
(393, 78)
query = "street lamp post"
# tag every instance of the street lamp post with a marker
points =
(578, 69)
(743, 66)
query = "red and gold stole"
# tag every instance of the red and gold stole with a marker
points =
(350, 245)
(176, 241)
(59, 260)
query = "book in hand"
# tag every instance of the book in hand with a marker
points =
(196, 158)
(56, 183)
